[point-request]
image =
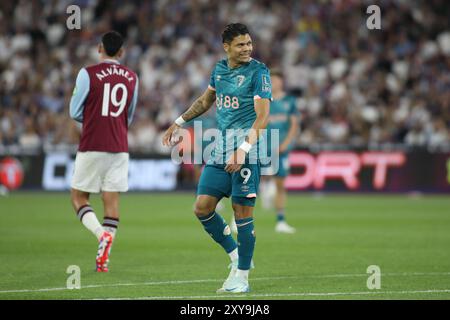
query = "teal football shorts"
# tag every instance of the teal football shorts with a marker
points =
(241, 185)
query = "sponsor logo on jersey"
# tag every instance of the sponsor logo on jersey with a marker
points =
(240, 80)
(266, 85)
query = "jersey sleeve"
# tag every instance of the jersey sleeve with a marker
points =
(262, 86)
(212, 80)
(132, 107)
(79, 95)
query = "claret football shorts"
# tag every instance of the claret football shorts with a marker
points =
(100, 171)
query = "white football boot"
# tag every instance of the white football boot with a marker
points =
(283, 227)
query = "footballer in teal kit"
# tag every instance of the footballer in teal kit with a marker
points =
(283, 118)
(241, 89)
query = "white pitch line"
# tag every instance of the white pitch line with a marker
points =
(154, 283)
(176, 282)
(269, 295)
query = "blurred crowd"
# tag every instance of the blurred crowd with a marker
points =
(354, 86)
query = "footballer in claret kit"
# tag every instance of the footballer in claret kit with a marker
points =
(104, 101)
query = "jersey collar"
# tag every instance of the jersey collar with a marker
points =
(111, 61)
(242, 65)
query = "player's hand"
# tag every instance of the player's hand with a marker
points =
(168, 135)
(236, 161)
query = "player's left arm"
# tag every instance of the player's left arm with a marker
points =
(262, 95)
(132, 107)
(200, 106)
(262, 109)
(79, 95)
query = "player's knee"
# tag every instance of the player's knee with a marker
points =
(280, 185)
(242, 212)
(78, 199)
(202, 208)
(238, 215)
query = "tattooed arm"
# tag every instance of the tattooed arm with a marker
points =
(200, 106)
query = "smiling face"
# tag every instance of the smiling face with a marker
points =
(239, 50)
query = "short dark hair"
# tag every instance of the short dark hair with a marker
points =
(233, 30)
(112, 42)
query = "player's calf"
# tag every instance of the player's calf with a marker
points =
(213, 223)
(110, 225)
(88, 218)
(218, 229)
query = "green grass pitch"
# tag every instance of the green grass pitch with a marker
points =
(162, 252)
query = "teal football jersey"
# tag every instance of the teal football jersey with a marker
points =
(236, 90)
(281, 111)
(200, 127)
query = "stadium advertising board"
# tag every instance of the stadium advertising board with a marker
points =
(322, 171)
(370, 171)
(144, 174)
(53, 172)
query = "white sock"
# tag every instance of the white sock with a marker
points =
(242, 273)
(90, 221)
(267, 193)
(111, 230)
(234, 255)
(110, 225)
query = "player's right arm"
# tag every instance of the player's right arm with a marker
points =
(200, 106)
(79, 95)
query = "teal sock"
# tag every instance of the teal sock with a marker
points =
(246, 242)
(218, 229)
(280, 216)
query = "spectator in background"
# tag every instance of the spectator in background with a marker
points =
(381, 82)
(29, 139)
